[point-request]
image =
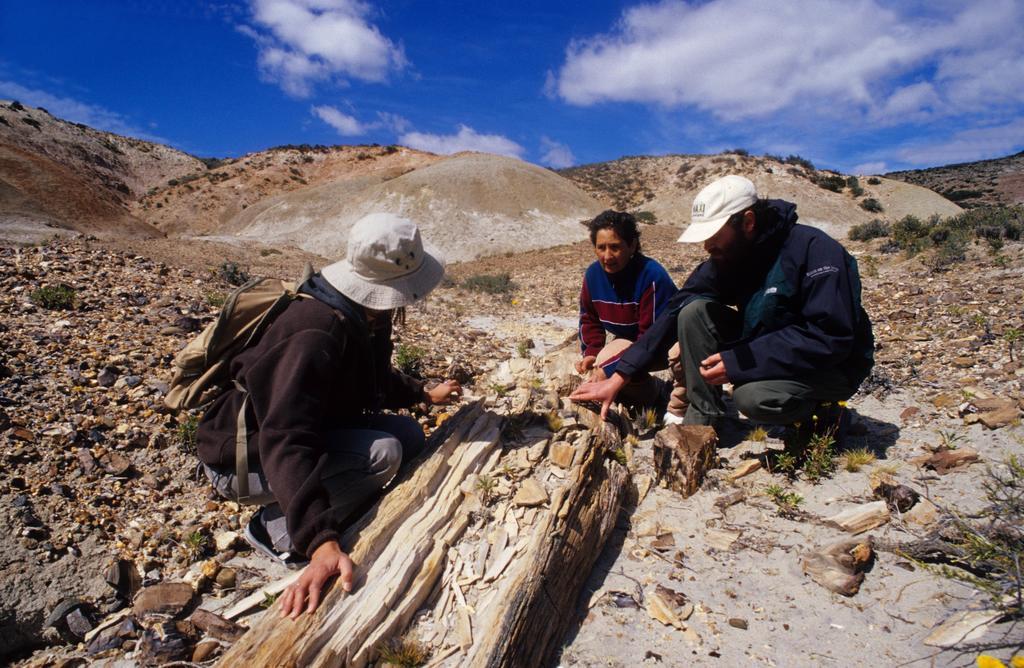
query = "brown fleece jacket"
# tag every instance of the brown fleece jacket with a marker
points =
(309, 374)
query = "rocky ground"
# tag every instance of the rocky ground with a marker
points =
(102, 495)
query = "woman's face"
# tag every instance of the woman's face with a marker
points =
(612, 251)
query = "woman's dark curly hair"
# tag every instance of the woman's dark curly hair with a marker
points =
(622, 223)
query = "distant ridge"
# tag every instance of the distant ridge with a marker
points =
(972, 184)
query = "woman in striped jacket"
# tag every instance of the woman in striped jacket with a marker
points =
(623, 292)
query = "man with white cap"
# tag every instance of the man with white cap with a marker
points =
(315, 383)
(775, 311)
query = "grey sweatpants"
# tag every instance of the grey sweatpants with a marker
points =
(361, 459)
(703, 328)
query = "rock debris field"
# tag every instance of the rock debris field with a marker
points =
(113, 551)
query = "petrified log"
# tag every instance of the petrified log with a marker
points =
(683, 454)
(500, 594)
(393, 577)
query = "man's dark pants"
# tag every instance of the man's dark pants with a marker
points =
(703, 327)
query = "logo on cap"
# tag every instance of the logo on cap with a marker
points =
(698, 209)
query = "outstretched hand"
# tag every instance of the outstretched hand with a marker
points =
(444, 393)
(327, 561)
(603, 391)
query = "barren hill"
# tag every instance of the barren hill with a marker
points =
(972, 184)
(57, 174)
(666, 185)
(207, 201)
(468, 206)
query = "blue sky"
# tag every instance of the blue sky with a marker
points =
(856, 85)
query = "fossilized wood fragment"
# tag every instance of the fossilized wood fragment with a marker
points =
(861, 518)
(683, 454)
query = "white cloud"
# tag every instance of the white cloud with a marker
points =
(746, 58)
(394, 122)
(556, 155)
(967, 146)
(877, 167)
(75, 111)
(466, 139)
(303, 42)
(347, 126)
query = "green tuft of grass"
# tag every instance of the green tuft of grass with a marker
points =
(758, 435)
(855, 460)
(403, 652)
(485, 487)
(554, 421)
(54, 297)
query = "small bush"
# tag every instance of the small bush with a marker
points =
(215, 299)
(404, 652)
(909, 234)
(832, 182)
(820, 461)
(867, 231)
(54, 297)
(492, 284)
(187, 427)
(231, 273)
(797, 160)
(646, 217)
(31, 121)
(871, 204)
(874, 181)
(739, 151)
(852, 182)
(787, 502)
(409, 359)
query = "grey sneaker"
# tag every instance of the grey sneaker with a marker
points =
(256, 535)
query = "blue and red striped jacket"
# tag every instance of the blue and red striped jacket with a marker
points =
(623, 304)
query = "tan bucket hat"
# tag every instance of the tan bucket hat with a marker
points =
(385, 266)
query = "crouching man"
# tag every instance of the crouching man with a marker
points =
(318, 445)
(775, 310)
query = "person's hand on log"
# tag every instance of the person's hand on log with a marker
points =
(603, 391)
(327, 561)
(443, 393)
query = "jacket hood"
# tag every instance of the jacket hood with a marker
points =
(777, 218)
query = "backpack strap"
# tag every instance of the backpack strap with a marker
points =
(241, 424)
(242, 448)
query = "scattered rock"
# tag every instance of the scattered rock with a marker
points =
(898, 497)
(217, 626)
(225, 540)
(745, 468)
(944, 461)
(962, 627)
(562, 454)
(167, 598)
(859, 519)
(721, 539)
(206, 650)
(738, 623)
(530, 494)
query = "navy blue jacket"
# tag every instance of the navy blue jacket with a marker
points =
(800, 302)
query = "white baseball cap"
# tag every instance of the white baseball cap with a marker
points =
(385, 266)
(715, 204)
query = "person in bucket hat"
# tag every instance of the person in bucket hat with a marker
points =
(775, 311)
(315, 384)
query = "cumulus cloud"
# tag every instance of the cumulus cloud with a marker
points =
(466, 139)
(347, 126)
(75, 111)
(303, 42)
(967, 145)
(556, 155)
(740, 59)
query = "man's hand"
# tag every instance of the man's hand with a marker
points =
(712, 370)
(327, 561)
(604, 391)
(586, 364)
(442, 392)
